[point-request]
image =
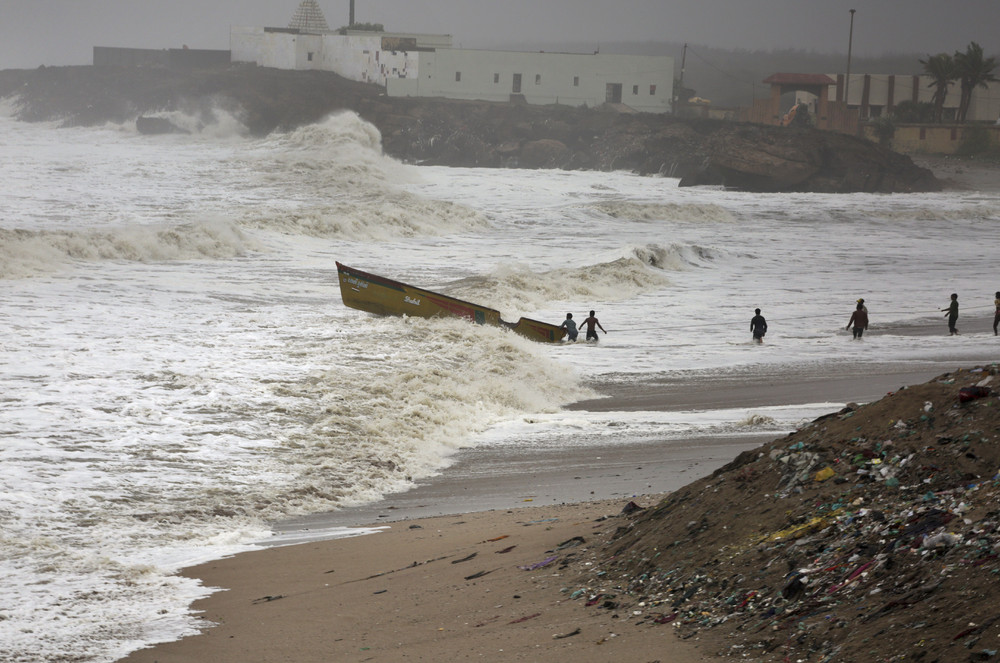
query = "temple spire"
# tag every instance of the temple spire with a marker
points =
(309, 18)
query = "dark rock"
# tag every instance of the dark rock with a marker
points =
(475, 133)
(761, 158)
(544, 153)
(157, 125)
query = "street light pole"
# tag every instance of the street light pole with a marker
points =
(850, 43)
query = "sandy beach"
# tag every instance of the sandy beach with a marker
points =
(458, 569)
(449, 576)
(451, 588)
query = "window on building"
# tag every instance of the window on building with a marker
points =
(576, 81)
(635, 89)
(496, 78)
(458, 76)
(309, 56)
(538, 79)
(652, 90)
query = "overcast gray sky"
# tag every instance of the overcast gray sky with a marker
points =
(61, 32)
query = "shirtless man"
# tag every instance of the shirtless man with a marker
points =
(591, 322)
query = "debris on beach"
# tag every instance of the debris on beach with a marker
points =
(538, 565)
(871, 534)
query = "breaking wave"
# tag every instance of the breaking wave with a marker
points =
(970, 210)
(514, 288)
(375, 218)
(210, 123)
(26, 253)
(340, 158)
(339, 153)
(674, 257)
(373, 427)
(623, 209)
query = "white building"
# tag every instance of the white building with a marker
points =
(644, 83)
(370, 57)
(415, 65)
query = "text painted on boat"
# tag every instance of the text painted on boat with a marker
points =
(356, 282)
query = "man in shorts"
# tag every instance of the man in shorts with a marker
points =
(569, 324)
(592, 322)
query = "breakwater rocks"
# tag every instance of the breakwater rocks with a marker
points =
(869, 535)
(475, 133)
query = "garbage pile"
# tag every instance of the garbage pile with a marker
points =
(871, 534)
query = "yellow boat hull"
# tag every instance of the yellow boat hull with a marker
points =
(376, 294)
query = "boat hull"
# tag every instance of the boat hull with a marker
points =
(382, 296)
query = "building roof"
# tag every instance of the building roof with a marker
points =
(309, 18)
(799, 79)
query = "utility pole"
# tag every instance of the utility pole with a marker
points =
(684, 55)
(679, 92)
(850, 43)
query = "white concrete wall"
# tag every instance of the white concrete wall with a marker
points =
(546, 78)
(573, 79)
(361, 58)
(266, 49)
(358, 56)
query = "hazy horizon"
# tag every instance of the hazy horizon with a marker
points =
(59, 32)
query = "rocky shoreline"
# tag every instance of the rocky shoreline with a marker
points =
(478, 134)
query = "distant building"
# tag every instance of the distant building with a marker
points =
(875, 95)
(839, 104)
(643, 83)
(417, 65)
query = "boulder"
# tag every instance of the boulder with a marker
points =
(157, 125)
(544, 153)
(766, 159)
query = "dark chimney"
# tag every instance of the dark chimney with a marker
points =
(351, 22)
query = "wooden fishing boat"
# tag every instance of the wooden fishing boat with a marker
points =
(376, 294)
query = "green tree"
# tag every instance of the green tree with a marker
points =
(885, 129)
(367, 27)
(972, 70)
(941, 69)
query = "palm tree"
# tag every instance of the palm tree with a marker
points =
(941, 69)
(972, 70)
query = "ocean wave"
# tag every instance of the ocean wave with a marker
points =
(514, 287)
(690, 212)
(332, 135)
(674, 257)
(413, 392)
(970, 210)
(341, 152)
(375, 218)
(339, 160)
(26, 253)
(214, 122)
(9, 106)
